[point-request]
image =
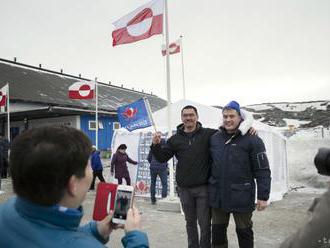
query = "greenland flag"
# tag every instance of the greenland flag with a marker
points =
(82, 90)
(140, 24)
(172, 48)
(3, 95)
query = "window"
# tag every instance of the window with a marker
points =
(116, 125)
(92, 125)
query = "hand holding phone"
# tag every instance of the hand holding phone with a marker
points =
(124, 199)
(133, 221)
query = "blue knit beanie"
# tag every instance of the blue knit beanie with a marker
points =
(233, 105)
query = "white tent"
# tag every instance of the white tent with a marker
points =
(209, 117)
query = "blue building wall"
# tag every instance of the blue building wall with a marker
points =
(105, 133)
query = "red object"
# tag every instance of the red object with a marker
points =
(105, 198)
(172, 48)
(3, 95)
(140, 24)
(82, 90)
(130, 112)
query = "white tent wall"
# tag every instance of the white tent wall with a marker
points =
(210, 117)
(132, 142)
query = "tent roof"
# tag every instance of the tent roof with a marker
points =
(208, 116)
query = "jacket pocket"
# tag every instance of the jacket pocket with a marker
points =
(241, 195)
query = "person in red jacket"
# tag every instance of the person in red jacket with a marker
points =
(119, 166)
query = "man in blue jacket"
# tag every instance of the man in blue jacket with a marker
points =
(51, 176)
(96, 166)
(237, 161)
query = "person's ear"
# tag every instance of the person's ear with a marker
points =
(72, 185)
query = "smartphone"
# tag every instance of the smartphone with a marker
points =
(124, 200)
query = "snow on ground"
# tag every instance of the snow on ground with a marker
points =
(291, 107)
(294, 107)
(311, 133)
(301, 150)
(260, 107)
(295, 122)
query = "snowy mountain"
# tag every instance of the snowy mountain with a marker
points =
(292, 114)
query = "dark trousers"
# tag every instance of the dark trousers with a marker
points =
(220, 221)
(196, 208)
(4, 170)
(162, 173)
(99, 175)
(127, 179)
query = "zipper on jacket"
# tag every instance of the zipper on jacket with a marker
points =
(191, 140)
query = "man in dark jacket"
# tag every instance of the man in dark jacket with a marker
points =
(157, 169)
(237, 160)
(190, 145)
(96, 167)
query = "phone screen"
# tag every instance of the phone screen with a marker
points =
(122, 205)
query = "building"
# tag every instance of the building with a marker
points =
(40, 97)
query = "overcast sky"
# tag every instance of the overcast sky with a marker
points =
(253, 51)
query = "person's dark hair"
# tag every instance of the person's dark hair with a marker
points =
(42, 160)
(189, 107)
(122, 146)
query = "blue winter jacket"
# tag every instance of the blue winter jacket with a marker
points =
(96, 161)
(25, 224)
(236, 162)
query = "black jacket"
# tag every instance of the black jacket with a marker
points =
(236, 162)
(192, 153)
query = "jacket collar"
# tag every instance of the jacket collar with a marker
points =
(180, 128)
(54, 215)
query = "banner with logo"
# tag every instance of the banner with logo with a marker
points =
(135, 115)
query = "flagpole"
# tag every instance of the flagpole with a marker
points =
(8, 114)
(146, 102)
(96, 116)
(168, 89)
(182, 67)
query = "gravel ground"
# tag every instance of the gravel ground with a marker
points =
(167, 229)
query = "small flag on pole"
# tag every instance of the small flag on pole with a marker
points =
(135, 115)
(82, 90)
(172, 48)
(140, 24)
(3, 95)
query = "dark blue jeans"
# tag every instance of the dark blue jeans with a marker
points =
(162, 173)
(195, 206)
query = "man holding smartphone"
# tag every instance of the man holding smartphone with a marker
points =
(51, 175)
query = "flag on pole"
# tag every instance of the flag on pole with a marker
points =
(135, 115)
(3, 95)
(82, 90)
(172, 48)
(140, 24)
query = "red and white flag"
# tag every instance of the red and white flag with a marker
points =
(82, 90)
(172, 48)
(3, 95)
(140, 24)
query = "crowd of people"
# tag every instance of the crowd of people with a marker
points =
(219, 173)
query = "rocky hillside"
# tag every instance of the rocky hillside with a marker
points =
(295, 114)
